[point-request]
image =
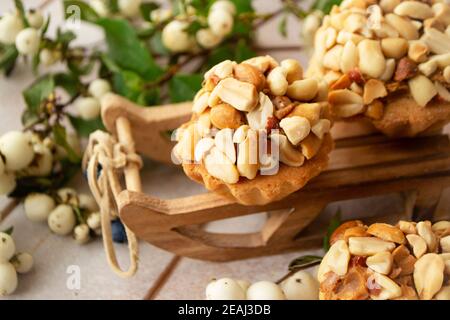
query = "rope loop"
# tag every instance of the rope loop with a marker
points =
(104, 160)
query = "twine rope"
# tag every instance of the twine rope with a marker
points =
(104, 160)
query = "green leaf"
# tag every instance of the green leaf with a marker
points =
(9, 230)
(65, 37)
(334, 223)
(79, 216)
(8, 56)
(109, 64)
(282, 26)
(113, 6)
(183, 87)
(194, 26)
(59, 133)
(69, 82)
(29, 117)
(243, 51)
(243, 6)
(86, 12)
(20, 8)
(304, 262)
(149, 97)
(85, 127)
(39, 91)
(126, 50)
(201, 6)
(218, 55)
(128, 84)
(157, 45)
(325, 5)
(46, 25)
(146, 9)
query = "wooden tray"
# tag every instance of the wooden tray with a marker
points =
(363, 164)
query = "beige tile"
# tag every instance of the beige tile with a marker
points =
(191, 276)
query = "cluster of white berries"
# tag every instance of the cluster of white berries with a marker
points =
(26, 39)
(11, 263)
(25, 154)
(220, 23)
(89, 107)
(59, 212)
(127, 8)
(299, 286)
(310, 25)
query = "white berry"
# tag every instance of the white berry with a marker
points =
(43, 164)
(100, 7)
(81, 233)
(310, 25)
(301, 286)
(8, 279)
(207, 39)
(244, 284)
(175, 38)
(7, 247)
(38, 206)
(23, 262)
(27, 41)
(35, 19)
(94, 220)
(87, 202)
(17, 149)
(160, 15)
(129, 8)
(7, 183)
(10, 26)
(224, 289)
(68, 196)
(224, 5)
(62, 220)
(48, 57)
(98, 88)
(265, 290)
(220, 22)
(88, 107)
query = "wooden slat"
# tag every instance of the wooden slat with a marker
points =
(390, 152)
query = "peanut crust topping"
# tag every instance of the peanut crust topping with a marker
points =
(401, 45)
(408, 261)
(251, 115)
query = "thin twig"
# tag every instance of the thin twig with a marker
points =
(12, 204)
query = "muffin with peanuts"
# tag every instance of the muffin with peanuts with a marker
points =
(259, 130)
(408, 261)
(388, 63)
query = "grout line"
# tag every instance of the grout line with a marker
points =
(12, 204)
(39, 243)
(162, 279)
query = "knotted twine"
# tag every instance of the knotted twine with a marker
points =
(104, 160)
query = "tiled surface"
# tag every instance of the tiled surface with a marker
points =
(195, 275)
(53, 254)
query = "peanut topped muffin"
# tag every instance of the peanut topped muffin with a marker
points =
(387, 62)
(259, 130)
(408, 261)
